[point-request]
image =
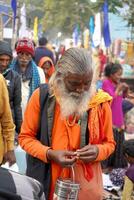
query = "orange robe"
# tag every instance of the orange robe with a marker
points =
(68, 137)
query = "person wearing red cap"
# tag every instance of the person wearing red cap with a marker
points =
(31, 75)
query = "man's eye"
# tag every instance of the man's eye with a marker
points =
(87, 83)
(74, 83)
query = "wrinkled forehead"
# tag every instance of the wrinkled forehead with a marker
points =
(68, 67)
(4, 56)
(85, 76)
(75, 60)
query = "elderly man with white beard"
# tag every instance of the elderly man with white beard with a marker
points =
(69, 127)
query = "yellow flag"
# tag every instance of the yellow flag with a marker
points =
(86, 39)
(36, 29)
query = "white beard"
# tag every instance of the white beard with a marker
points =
(72, 103)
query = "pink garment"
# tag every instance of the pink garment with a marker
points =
(116, 106)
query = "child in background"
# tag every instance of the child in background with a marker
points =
(128, 149)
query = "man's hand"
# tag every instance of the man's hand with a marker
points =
(62, 157)
(9, 157)
(88, 153)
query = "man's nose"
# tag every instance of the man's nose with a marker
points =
(80, 90)
(24, 56)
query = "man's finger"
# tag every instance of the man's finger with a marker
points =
(85, 148)
(87, 159)
(86, 153)
(69, 153)
(69, 161)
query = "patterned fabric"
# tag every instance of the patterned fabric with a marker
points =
(35, 79)
(31, 74)
(25, 45)
(117, 176)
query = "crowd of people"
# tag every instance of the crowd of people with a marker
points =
(50, 107)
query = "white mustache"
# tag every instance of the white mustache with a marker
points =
(74, 94)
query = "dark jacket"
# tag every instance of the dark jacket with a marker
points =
(14, 88)
(15, 186)
(36, 168)
(41, 52)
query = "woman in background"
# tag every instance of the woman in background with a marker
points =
(48, 67)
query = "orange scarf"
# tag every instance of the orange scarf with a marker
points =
(95, 125)
(95, 122)
(51, 70)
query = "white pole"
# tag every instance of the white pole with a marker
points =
(1, 27)
(15, 27)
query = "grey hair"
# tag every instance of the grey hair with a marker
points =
(75, 60)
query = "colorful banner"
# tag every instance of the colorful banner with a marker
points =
(36, 29)
(91, 29)
(76, 34)
(97, 36)
(23, 27)
(14, 8)
(86, 38)
(106, 31)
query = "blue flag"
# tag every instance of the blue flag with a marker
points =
(76, 34)
(14, 8)
(91, 28)
(91, 25)
(106, 31)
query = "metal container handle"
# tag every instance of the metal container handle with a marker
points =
(72, 173)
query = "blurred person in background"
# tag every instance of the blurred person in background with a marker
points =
(103, 61)
(13, 83)
(48, 67)
(112, 85)
(15, 186)
(61, 50)
(42, 50)
(31, 75)
(128, 150)
(7, 127)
